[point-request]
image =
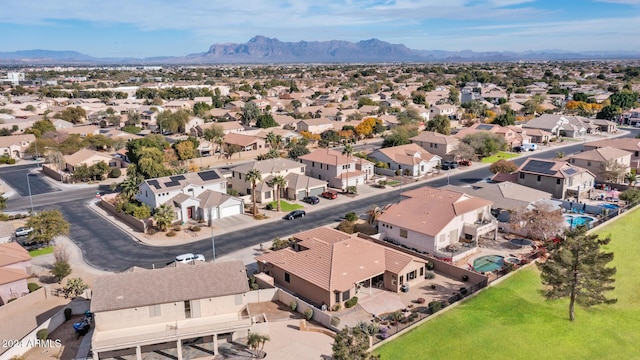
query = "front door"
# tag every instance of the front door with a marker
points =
(190, 212)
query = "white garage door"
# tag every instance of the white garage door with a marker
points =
(230, 210)
(316, 191)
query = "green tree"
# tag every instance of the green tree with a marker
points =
(631, 196)
(61, 267)
(254, 176)
(629, 178)
(275, 141)
(129, 187)
(440, 124)
(163, 216)
(454, 96)
(400, 135)
(255, 341)
(75, 287)
(485, 143)
(348, 152)
(351, 344)
(47, 225)
(278, 182)
(173, 122)
(297, 150)
(609, 112)
(185, 149)
(578, 269)
(503, 166)
(265, 121)
(508, 118)
(250, 114)
(72, 114)
(41, 127)
(624, 99)
(3, 202)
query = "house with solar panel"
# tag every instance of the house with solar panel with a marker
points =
(557, 177)
(193, 196)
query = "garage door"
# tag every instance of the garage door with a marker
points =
(301, 194)
(230, 211)
(316, 191)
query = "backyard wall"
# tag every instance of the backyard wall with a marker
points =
(324, 318)
(136, 224)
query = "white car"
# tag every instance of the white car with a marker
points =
(23, 231)
(189, 257)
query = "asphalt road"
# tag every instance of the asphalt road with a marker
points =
(105, 246)
(16, 178)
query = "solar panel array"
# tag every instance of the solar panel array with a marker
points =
(154, 183)
(208, 175)
(570, 171)
(175, 180)
(540, 167)
(484, 127)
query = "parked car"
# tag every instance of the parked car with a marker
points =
(189, 257)
(295, 214)
(517, 149)
(448, 165)
(23, 231)
(311, 200)
(529, 147)
(465, 162)
(330, 195)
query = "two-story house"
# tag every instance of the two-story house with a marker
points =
(557, 177)
(328, 267)
(198, 196)
(410, 159)
(441, 222)
(628, 144)
(436, 143)
(298, 185)
(511, 137)
(142, 312)
(15, 269)
(602, 161)
(314, 126)
(338, 170)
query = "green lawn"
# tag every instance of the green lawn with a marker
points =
(512, 320)
(285, 206)
(43, 251)
(393, 182)
(502, 155)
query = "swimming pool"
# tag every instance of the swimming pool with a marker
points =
(488, 263)
(609, 206)
(578, 220)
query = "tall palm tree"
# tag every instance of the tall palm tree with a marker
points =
(130, 186)
(271, 138)
(348, 151)
(254, 176)
(277, 142)
(278, 182)
(163, 216)
(374, 213)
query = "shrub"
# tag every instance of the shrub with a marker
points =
(11, 161)
(336, 307)
(308, 313)
(430, 265)
(171, 233)
(351, 216)
(195, 228)
(347, 226)
(465, 277)
(67, 314)
(351, 302)
(435, 306)
(115, 173)
(33, 287)
(176, 227)
(151, 230)
(270, 206)
(421, 300)
(42, 334)
(429, 275)
(255, 286)
(293, 305)
(12, 299)
(463, 291)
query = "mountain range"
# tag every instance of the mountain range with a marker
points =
(264, 50)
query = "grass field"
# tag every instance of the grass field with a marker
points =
(285, 206)
(512, 319)
(502, 155)
(43, 251)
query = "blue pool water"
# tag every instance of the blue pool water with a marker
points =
(577, 220)
(609, 206)
(488, 263)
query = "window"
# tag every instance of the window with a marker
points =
(267, 195)
(421, 271)
(435, 146)
(187, 309)
(403, 233)
(539, 177)
(287, 277)
(154, 310)
(345, 167)
(412, 275)
(558, 181)
(521, 175)
(337, 297)
(588, 163)
(313, 164)
(346, 295)
(401, 279)
(239, 176)
(430, 145)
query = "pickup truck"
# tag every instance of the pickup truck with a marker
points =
(23, 231)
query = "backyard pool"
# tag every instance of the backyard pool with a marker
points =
(488, 263)
(578, 220)
(609, 206)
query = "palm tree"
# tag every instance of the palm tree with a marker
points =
(253, 341)
(271, 138)
(130, 186)
(278, 182)
(263, 340)
(254, 176)
(631, 178)
(348, 151)
(163, 216)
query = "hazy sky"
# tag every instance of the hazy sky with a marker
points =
(141, 28)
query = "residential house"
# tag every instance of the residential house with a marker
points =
(203, 99)
(89, 157)
(601, 160)
(193, 122)
(15, 269)
(228, 127)
(447, 110)
(628, 144)
(410, 159)
(605, 126)
(175, 105)
(314, 126)
(560, 125)
(327, 267)
(335, 168)
(246, 142)
(536, 136)
(511, 137)
(441, 222)
(16, 146)
(142, 312)
(198, 196)
(557, 177)
(298, 184)
(436, 143)
(149, 120)
(83, 130)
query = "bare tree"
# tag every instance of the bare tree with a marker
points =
(540, 222)
(613, 171)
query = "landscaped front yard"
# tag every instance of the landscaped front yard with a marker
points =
(43, 251)
(285, 206)
(502, 155)
(514, 321)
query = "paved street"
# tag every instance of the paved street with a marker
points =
(16, 178)
(107, 247)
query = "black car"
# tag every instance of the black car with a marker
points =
(295, 214)
(447, 165)
(311, 200)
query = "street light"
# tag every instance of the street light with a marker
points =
(30, 198)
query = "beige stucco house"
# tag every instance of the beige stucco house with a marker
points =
(335, 168)
(314, 126)
(328, 267)
(15, 269)
(628, 144)
(410, 159)
(441, 222)
(557, 177)
(142, 311)
(436, 143)
(16, 146)
(599, 161)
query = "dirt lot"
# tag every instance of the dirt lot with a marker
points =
(69, 343)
